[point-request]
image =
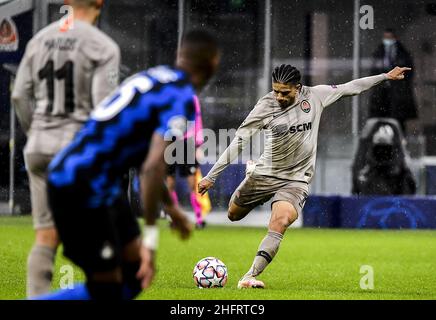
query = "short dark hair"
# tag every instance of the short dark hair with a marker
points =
(199, 35)
(201, 39)
(286, 74)
(200, 46)
(390, 30)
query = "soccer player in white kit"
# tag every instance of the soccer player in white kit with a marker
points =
(67, 69)
(290, 117)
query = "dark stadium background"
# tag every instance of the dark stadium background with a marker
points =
(322, 260)
(316, 36)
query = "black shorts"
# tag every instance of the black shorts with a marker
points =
(93, 238)
(185, 170)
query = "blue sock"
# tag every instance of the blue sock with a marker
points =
(127, 293)
(79, 292)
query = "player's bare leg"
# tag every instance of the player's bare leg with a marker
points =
(40, 261)
(236, 213)
(283, 215)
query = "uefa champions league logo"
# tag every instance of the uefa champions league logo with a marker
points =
(389, 213)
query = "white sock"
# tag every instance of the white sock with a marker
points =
(40, 265)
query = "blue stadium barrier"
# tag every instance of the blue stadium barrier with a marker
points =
(430, 175)
(322, 212)
(372, 212)
(388, 212)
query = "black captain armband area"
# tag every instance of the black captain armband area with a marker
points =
(265, 255)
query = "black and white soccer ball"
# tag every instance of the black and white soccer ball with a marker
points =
(210, 272)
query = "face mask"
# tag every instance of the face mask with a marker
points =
(388, 42)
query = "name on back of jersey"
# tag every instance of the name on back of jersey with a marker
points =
(64, 44)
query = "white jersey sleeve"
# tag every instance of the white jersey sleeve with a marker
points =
(330, 94)
(254, 122)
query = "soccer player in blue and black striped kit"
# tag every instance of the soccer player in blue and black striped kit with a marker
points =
(130, 128)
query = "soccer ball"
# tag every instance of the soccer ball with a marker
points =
(210, 272)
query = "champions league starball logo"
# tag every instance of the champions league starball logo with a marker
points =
(391, 213)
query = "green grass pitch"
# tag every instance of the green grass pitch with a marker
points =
(311, 263)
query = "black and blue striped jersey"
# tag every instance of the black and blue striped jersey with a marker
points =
(117, 136)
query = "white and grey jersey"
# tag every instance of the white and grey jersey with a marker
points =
(63, 75)
(290, 133)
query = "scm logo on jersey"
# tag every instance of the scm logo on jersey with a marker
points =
(305, 106)
(301, 127)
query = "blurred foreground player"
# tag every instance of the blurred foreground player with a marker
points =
(130, 129)
(68, 68)
(290, 116)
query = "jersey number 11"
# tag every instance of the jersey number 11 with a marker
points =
(65, 73)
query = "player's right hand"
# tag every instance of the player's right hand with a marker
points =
(204, 185)
(147, 269)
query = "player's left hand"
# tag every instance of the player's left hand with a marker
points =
(180, 222)
(204, 185)
(397, 73)
(147, 269)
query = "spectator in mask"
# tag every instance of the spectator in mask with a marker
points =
(393, 100)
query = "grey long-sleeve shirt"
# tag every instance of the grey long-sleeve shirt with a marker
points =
(290, 134)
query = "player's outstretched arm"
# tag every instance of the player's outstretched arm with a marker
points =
(151, 177)
(154, 192)
(398, 73)
(152, 171)
(330, 94)
(363, 84)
